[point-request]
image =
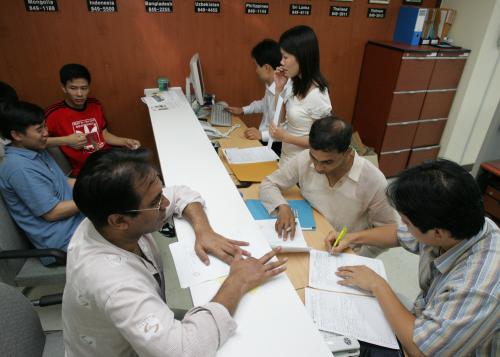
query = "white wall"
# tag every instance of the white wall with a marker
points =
(477, 27)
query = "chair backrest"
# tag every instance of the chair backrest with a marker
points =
(21, 333)
(11, 237)
(61, 160)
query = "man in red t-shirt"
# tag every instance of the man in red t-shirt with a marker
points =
(77, 124)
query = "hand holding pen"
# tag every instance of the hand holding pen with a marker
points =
(336, 242)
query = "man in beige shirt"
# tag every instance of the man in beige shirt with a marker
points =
(346, 189)
(114, 300)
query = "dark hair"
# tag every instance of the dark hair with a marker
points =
(301, 42)
(439, 194)
(330, 133)
(107, 183)
(267, 52)
(19, 116)
(7, 93)
(72, 71)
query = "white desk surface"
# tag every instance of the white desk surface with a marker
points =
(272, 321)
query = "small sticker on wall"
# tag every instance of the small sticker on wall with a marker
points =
(207, 7)
(102, 5)
(340, 11)
(300, 9)
(257, 8)
(41, 5)
(159, 6)
(376, 13)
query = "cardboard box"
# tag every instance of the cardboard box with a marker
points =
(363, 150)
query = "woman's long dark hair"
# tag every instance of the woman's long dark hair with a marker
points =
(301, 42)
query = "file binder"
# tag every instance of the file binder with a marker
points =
(305, 212)
(410, 25)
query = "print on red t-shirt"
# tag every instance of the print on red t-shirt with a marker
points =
(90, 129)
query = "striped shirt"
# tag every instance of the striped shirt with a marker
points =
(457, 309)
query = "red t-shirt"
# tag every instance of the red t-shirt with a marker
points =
(62, 120)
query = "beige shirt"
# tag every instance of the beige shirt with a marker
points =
(114, 301)
(357, 200)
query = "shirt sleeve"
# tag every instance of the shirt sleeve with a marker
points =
(406, 239)
(179, 197)
(35, 190)
(257, 106)
(147, 323)
(380, 212)
(282, 179)
(320, 105)
(456, 323)
(265, 135)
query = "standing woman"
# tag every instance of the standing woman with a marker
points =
(307, 99)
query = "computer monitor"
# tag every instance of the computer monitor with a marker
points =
(196, 79)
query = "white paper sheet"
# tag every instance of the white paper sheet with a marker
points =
(350, 315)
(322, 268)
(250, 155)
(298, 244)
(190, 268)
(276, 118)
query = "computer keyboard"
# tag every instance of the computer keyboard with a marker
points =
(220, 117)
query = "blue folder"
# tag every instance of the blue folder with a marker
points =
(303, 207)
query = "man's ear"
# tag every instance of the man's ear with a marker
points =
(440, 233)
(119, 221)
(16, 135)
(63, 87)
(268, 67)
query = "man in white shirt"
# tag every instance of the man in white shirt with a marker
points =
(346, 189)
(114, 300)
(267, 57)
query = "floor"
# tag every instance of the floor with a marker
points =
(401, 267)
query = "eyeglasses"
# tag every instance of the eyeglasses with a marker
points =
(157, 207)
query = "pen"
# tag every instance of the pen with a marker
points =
(339, 237)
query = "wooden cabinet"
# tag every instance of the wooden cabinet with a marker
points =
(404, 97)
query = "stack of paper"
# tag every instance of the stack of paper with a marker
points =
(297, 244)
(250, 155)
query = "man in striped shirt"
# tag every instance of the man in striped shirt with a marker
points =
(457, 310)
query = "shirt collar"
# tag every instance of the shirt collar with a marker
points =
(271, 88)
(447, 260)
(28, 153)
(357, 165)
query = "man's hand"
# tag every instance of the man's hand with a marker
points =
(285, 224)
(253, 134)
(225, 249)
(343, 244)
(234, 110)
(252, 272)
(359, 276)
(76, 140)
(280, 79)
(277, 133)
(132, 144)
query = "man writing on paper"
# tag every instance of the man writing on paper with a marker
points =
(346, 189)
(457, 310)
(114, 301)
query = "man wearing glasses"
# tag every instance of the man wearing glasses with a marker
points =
(114, 301)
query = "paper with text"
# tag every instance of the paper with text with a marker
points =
(350, 315)
(298, 244)
(250, 155)
(323, 265)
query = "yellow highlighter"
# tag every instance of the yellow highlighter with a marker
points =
(340, 236)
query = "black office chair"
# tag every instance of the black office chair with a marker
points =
(21, 333)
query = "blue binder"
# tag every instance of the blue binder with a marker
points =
(410, 24)
(306, 217)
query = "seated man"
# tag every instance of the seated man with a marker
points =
(35, 190)
(457, 310)
(346, 189)
(77, 123)
(114, 301)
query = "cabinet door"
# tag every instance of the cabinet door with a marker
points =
(447, 72)
(415, 73)
(419, 155)
(393, 162)
(437, 104)
(399, 136)
(406, 106)
(429, 132)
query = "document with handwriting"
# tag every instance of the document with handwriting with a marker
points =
(323, 265)
(350, 315)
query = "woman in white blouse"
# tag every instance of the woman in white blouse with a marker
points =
(306, 98)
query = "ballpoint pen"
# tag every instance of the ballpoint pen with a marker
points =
(339, 237)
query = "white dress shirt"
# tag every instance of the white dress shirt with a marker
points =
(266, 107)
(114, 301)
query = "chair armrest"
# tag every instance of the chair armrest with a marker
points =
(58, 254)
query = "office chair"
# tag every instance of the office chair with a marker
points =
(19, 260)
(21, 333)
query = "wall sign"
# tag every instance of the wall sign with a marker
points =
(259, 8)
(154, 6)
(41, 5)
(376, 13)
(207, 6)
(300, 9)
(102, 5)
(340, 11)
